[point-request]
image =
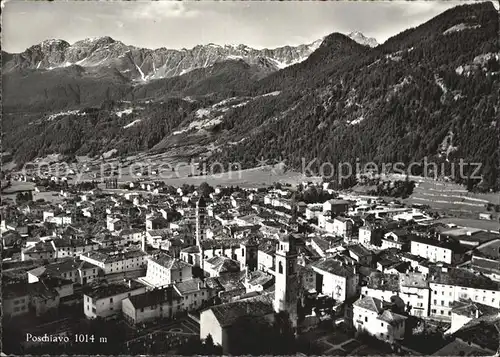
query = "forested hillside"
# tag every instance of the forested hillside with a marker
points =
(400, 102)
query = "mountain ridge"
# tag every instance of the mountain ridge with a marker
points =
(138, 63)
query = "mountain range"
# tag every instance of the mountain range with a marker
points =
(140, 64)
(430, 92)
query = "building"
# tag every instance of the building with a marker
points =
(340, 226)
(218, 321)
(73, 247)
(41, 250)
(151, 305)
(286, 279)
(218, 265)
(336, 279)
(313, 211)
(249, 254)
(194, 294)
(105, 301)
(464, 311)
(435, 250)
(132, 235)
(165, 270)
(336, 206)
(477, 337)
(112, 262)
(370, 236)
(201, 215)
(15, 299)
(454, 284)
(266, 256)
(486, 259)
(411, 288)
(77, 271)
(359, 253)
(258, 281)
(395, 239)
(372, 316)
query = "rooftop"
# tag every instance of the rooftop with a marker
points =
(189, 286)
(228, 314)
(154, 297)
(483, 332)
(107, 256)
(258, 278)
(332, 266)
(169, 262)
(359, 250)
(469, 308)
(110, 290)
(223, 264)
(413, 280)
(462, 277)
(220, 243)
(370, 303)
(381, 281)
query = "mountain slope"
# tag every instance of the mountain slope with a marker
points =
(400, 102)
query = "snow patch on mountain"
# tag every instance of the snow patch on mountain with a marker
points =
(272, 94)
(143, 77)
(132, 123)
(199, 125)
(203, 112)
(62, 114)
(124, 112)
(460, 27)
(439, 81)
(357, 121)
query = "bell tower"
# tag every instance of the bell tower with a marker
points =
(201, 216)
(286, 277)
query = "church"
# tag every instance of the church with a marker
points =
(242, 251)
(219, 320)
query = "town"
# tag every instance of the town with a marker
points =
(144, 267)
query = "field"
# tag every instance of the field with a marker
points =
(473, 223)
(446, 197)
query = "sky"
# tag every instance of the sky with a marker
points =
(176, 25)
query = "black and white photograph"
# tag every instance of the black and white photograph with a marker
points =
(248, 178)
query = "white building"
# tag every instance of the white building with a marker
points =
(77, 271)
(193, 294)
(454, 284)
(395, 239)
(340, 226)
(336, 206)
(116, 261)
(151, 305)
(371, 316)
(336, 279)
(66, 247)
(106, 301)
(433, 250)
(415, 216)
(165, 270)
(411, 288)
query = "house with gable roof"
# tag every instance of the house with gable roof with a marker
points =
(372, 316)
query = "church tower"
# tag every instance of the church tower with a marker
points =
(286, 289)
(201, 216)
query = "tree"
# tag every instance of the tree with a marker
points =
(205, 189)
